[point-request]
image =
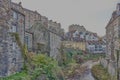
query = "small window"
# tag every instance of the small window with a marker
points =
(15, 15)
(14, 28)
(95, 46)
(81, 32)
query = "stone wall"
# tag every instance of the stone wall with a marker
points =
(55, 43)
(40, 37)
(112, 68)
(10, 54)
(54, 38)
(31, 17)
(16, 19)
(75, 27)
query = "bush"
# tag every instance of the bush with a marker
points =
(41, 65)
(18, 76)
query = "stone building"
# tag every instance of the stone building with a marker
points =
(90, 36)
(12, 21)
(18, 20)
(113, 41)
(75, 27)
(112, 34)
(4, 40)
(30, 17)
(34, 30)
(96, 46)
(77, 32)
(79, 37)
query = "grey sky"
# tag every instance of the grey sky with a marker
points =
(93, 14)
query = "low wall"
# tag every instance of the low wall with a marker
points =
(111, 66)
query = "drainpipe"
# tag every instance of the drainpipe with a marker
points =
(48, 42)
(118, 78)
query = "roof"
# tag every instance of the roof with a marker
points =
(96, 42)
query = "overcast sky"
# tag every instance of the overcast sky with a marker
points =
(93, 14)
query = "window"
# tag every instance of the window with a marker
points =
(81, 32)
(100, 46)
(15, 15)
(95, 46)
(86, 33)
(14, 28)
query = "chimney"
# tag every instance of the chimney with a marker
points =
(118, 7)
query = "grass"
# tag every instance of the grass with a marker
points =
(18, 76)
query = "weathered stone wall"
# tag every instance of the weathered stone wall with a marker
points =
(55, 43)
(55, 38)
(112, 68)
(79, 28)
(18, 20)
(54, 27)
(15, 59)
(40, 37)
(4, 7)
(31, 17)
(44, 21)
(10, 54)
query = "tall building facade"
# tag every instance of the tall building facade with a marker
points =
(113, 34)
(34, 30)
(11, 21)
(113, 41)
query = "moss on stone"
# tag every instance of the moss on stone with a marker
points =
(101, 73)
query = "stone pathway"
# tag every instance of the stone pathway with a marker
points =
(88, 75)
